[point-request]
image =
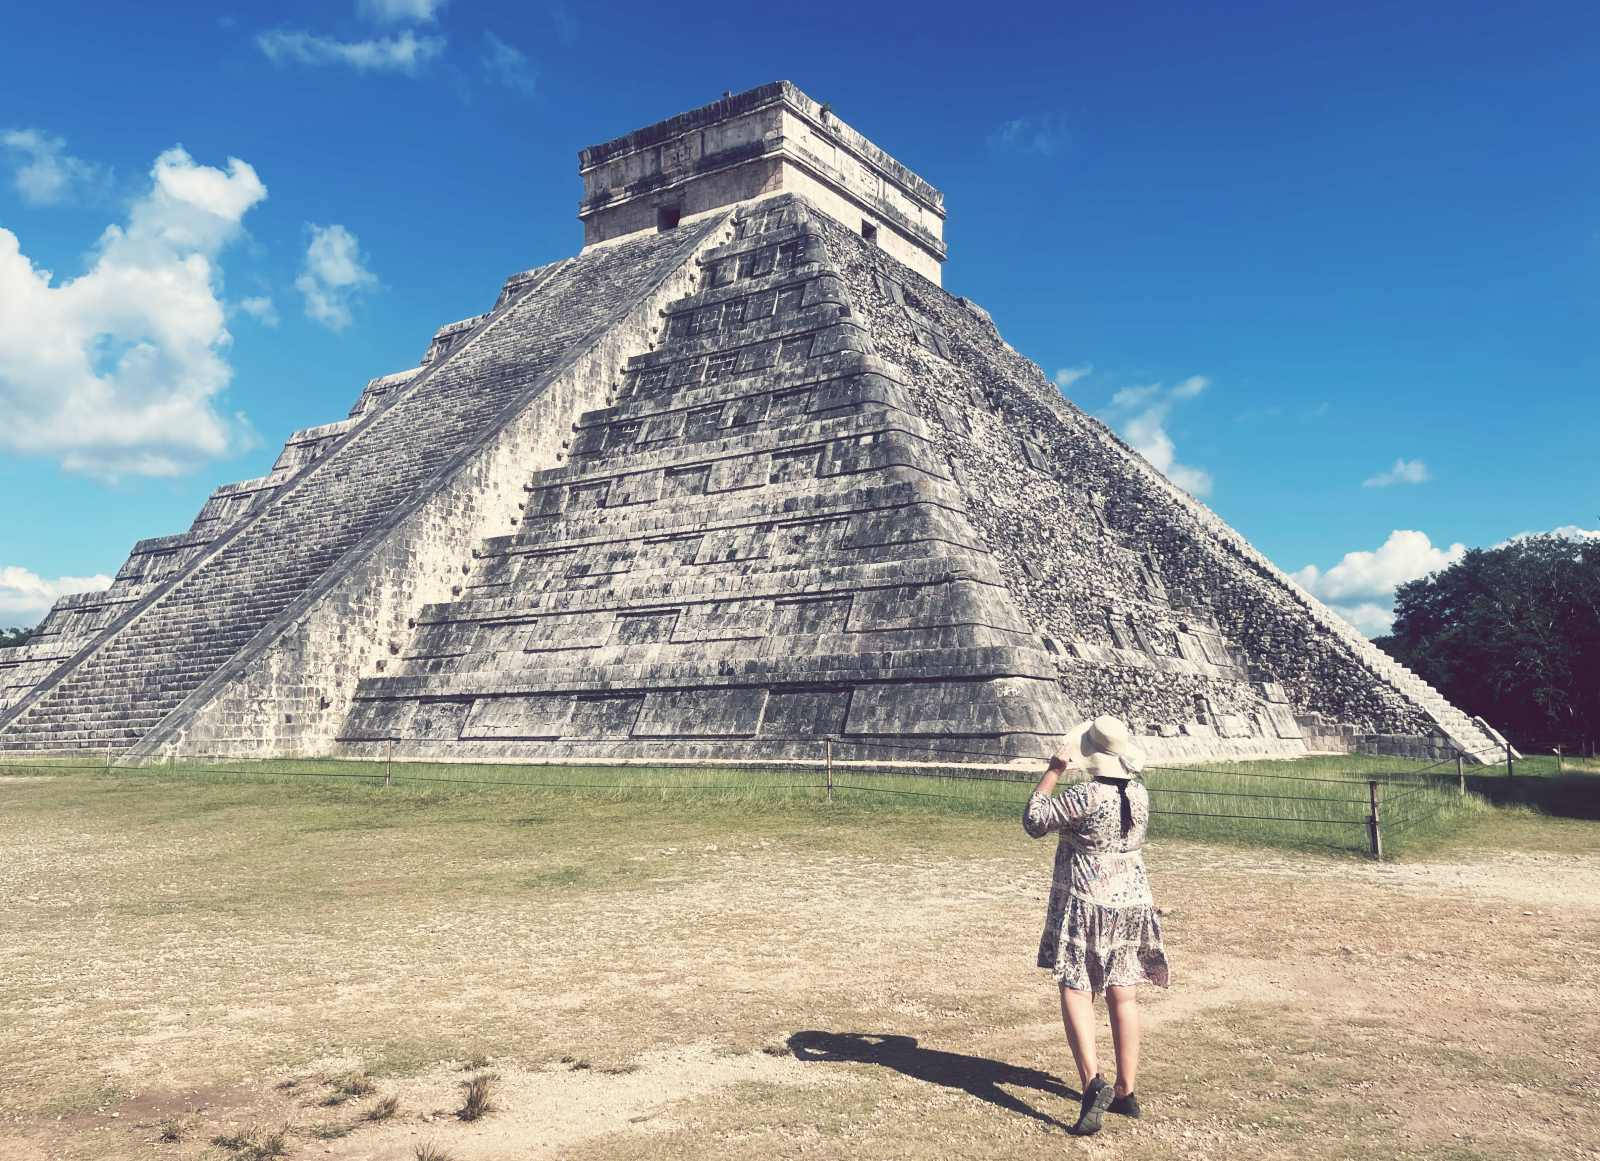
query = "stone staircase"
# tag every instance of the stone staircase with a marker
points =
(193, 626)
(752, 550)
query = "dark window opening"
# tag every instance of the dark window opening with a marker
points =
(869, 231)
(667, 217)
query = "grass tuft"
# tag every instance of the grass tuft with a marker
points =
(477, 1062)
(237, 1138)
(330, 1130)
(477, 1100)
(347, 1085)
(382, 1110)
(172, 1129)
(250, 1143)
(428, 1151)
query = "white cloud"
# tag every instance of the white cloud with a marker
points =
(1045, 135)
(1564, 532)
(333, 276)
(1403, 472)
(1067, 376)
(1370, 618)
(1140, 414)
(46, 174)
(26, 596)
(118, 371)
(1361, 586)
(401, 11)
(261, 308)
(507, 65)
(405, 52)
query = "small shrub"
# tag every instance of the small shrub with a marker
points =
(274, 1144)
(383, 1109)
(330, 1130)
(428, 1151)
(477, 1092)
(172, 1129)
(477, 1062)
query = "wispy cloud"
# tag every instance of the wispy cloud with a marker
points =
(1044, 135)
(261, 308)
(333, 276)
(1403, 472)
(1361, 586)
(401, 11)
(45, 174)
(118, 371)
(1141, 413)
(566, 23)
(506, 65)
(405, 52)
(25, 596)
(1067, 376)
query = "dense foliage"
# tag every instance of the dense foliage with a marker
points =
(1512, 634)
(14, 636)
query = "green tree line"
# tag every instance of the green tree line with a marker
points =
(1512, 634)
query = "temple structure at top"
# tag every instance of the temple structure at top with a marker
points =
(772, 139)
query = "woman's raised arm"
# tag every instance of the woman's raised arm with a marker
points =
(1044, 812)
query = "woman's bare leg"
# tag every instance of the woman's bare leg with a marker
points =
(1077, 1016)
(1124, 1006)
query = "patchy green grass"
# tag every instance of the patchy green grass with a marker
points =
(1320, 802)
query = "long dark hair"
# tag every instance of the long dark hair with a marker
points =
(1127, 807)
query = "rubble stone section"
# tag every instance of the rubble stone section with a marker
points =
(1153, 608)
(173, 658)
(757, 548)
(77, 621)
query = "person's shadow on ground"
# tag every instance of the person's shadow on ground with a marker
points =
(977, 1075)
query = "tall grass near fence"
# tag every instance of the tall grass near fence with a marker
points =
(1318, 802)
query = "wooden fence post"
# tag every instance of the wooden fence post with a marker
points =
(1374, 825)
(388, 766)
(1511, 770)
(829, 767)
(1461, 774)
(1558, 760)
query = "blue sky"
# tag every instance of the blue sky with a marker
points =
(1337, 268)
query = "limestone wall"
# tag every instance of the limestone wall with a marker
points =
(1159, 611)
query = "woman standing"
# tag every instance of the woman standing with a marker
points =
(1101, 933)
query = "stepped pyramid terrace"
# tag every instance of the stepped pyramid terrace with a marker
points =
(737, 479)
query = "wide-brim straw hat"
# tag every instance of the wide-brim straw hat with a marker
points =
(1104, 735)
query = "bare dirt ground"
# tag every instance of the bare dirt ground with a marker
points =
(682, 980)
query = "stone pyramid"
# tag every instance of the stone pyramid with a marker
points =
(740, 480)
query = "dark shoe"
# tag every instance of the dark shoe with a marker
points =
(1097, 1096)
(1126, 1106)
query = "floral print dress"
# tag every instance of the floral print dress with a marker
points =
(1101, 929)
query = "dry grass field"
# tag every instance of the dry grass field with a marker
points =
(256, 970)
